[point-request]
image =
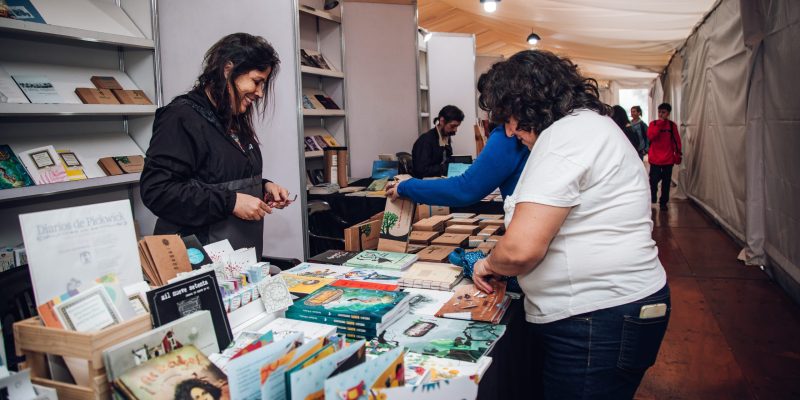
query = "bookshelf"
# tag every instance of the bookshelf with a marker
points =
(424, 99)
(321, 36)
(79, 39)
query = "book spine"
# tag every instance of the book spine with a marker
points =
(323, 313)
(341, 324)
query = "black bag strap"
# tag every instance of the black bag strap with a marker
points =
(672, 136)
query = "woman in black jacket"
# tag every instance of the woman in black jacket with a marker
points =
(620, 116)
(202, 174)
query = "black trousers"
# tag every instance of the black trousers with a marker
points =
(663, 174)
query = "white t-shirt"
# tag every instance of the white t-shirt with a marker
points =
(603, 255)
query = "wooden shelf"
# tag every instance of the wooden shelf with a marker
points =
(12, 26)
(321, 14)
(323, 113)
(15, 109)
(66, 187)
(321, 72)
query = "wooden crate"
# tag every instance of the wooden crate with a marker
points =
(35, 341)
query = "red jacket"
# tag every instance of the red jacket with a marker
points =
(662, 146)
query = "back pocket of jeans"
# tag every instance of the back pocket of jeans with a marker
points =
(641, 339)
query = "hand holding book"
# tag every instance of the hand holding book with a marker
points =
(483, 274)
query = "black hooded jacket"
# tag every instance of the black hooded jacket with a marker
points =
(187, 153)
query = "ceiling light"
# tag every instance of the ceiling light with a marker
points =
(490, 5)
(533, 39)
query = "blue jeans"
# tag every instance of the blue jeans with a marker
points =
(598, 355)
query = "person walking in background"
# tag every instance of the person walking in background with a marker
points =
(620, 117)
(640, 128)
(664, 152)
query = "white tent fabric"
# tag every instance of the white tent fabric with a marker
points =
(740, 118)
(609, 40)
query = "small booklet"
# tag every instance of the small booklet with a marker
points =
(469, 303)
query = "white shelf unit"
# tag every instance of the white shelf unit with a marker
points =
(321, 31)
(82, 38)
(424, 99)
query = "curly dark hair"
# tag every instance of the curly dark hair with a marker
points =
(184, 389)
(246, 52)
(620, 116)
(537, 88)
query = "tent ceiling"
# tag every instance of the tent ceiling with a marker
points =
(610, 39)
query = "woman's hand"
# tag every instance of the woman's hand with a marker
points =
(482, 274)
(391, 190)
(275, 195)
(250, 208)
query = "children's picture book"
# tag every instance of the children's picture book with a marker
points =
(384, 279)
(244, 372)
(440, 337)
(385, 371)
(273, 373)
(43, 165)
(12, 172)
(37, 88)
(382, 260)
(426, 301)
(274, 294)
(175, 300)
(471, 304)
(367, 304)
(184, 373)
(195, 329)
(313, 270)
(463, 388)
(424, 369)
(306, 380)
(304, 284)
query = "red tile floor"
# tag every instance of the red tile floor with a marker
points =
(733, 333)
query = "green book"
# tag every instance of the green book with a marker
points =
(12, 172)
(382, 259)
(352, 303)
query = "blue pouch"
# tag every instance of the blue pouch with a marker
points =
(467, 260)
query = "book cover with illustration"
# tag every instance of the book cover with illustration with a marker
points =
(385, 371)
(463, 387)
(426, 301)
(306, 380)
(335, 257)
(12, 172)
(43, 165)
(398, 215)
(182, 373)
(355, 303)
(382, 259)
(196, 329)
(422, 369)
(314, 270)
(304, 284)
(471, 304)
(439, 337)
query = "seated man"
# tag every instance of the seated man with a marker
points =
(433, 149)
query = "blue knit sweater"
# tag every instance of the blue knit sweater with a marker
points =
(499, 165)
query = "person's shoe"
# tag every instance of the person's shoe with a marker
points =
(663, 207)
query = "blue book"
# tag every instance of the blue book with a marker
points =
(23, 10)
(12, 172)
(384, 169)
(353, 303)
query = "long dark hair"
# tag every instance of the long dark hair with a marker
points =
(537, 88)
(620, 116)
(184, 389)
(246, 52)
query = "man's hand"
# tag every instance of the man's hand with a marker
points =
(482, 274)
(276, 196)
(391, 190)
(250, 208)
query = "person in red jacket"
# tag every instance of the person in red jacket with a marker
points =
(665, 151)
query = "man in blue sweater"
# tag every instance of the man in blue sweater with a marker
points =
(499, 165)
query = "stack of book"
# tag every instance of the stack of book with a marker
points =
(163, 257)
(356, 312)
(428, 275)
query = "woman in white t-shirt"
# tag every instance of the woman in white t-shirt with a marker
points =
(578, 233)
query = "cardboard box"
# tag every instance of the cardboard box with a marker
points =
(422, 237)
(415, 248)
(364, 235)
(435, 253)
(131, 96)
(427, 211)
(489, 216)
(475, 241)
(486, 247)
(468, 229)
(488, 231)
(462, 215)
(428, 225)
(491, 222)
(462, 221)
(96, 96)
(451, 239)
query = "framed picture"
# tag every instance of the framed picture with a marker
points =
(42, 159)
(91, 310)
